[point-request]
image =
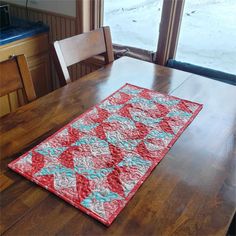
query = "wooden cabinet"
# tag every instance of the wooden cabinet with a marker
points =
(39, 69)
(36, 50)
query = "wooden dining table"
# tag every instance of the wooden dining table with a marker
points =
(191, 192)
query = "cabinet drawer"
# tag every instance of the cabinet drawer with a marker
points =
(30, 47)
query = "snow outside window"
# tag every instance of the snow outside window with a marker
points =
(208, 34)
(134, 22)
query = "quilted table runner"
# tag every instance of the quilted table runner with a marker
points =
(99, 160)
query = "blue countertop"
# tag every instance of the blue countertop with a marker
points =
(21, 29)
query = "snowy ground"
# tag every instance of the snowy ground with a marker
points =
(207, 36)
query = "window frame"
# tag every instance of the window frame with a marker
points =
(90, 15)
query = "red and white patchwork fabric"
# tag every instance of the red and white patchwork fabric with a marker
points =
(99, 160)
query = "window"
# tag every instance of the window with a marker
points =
(134, 22)
(208, 34)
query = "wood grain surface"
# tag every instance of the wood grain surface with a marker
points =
(15, 78)
(72, 50)
(191, 192)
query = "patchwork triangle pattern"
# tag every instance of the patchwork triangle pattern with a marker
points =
(99, 160)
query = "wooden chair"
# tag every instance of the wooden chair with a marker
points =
(75, 49)
(16, 86)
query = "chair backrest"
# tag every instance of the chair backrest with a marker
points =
(16, 86)
(75, 49)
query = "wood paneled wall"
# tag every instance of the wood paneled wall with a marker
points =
(61, 27)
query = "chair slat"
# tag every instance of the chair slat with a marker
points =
(16, 85)
(82, 46)
(10, 77)
(78, 48)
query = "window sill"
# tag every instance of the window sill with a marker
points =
(141, 54)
